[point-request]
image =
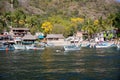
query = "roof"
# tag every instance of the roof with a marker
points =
(55, 36)
(20, 29)
(29, 37)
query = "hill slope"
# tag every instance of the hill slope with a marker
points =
(88, 8)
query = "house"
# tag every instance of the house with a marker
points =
(19, 32)
(81, 35)
(6, 37)
(55, 39)
(28, 39)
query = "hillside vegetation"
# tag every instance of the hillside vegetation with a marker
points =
(60, 16)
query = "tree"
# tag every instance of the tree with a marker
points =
(5, 21)
(89, 27)
(77, 23)
(47, 27)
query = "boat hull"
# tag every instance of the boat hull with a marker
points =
(118, 46)
(34, 48)
(20, 47)
(72, 48)
(7, 48)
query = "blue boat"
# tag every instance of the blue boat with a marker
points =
(72, 47)
(104, 45)
(6, 46)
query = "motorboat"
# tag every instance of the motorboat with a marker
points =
(72, 47)
(6, 46)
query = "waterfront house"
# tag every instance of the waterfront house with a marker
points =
(55, 39)
(28, 39)
(19, 32)
(81, 35)
(78, 37)
(6, 37)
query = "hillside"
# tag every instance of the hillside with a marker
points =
(60, 16)
(88, 8)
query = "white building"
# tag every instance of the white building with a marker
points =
(56, 39)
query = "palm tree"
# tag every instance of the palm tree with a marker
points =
(89, 28)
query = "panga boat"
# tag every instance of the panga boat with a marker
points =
(18, 44)
(19, 47)
(34, 47)
(72, 47)
(104, 45)
(6, 46)
(118, 46)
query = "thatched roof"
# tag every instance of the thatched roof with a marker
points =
(29, 37)
(55, 36)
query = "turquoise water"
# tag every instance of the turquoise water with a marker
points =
(55, 64)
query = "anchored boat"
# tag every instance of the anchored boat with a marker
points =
(6, 46)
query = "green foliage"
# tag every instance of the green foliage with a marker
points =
(15, 3)
(59, 12)
(115, 21)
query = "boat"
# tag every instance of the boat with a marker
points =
(85, 45)
(6, 46)
(19, 47)
(72, 47)
(18, 44)
(34, 47)
(118, 46)
(104, 45)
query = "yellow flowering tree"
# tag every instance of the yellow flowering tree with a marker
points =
(96, 22)
(47, 27)
(77, 20)
(21, 22)
(77, 23)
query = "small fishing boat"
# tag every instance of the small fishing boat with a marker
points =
(19, 47)
(85, 45)
(18, 44)
(118, 46)
(34, 47)
(6, 46)
(104, 45)
(72, 47)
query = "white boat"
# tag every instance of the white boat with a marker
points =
(118, 46)
(85, 45)
(103, 45)
(33, 47)
(72, 47)
(19, 46)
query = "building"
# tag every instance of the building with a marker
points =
(19, 32)
(55, 39)
(6, 37)
(28, 39)
(79, 35)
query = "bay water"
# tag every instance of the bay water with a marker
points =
(56, 64)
